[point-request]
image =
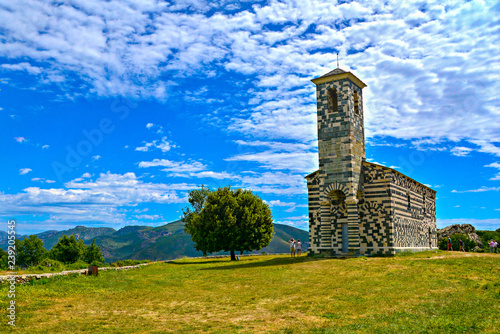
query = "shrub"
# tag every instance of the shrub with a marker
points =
(68, 249)
(80, 264)
(29, 251)
(93, 254)
(54, 265)
(124, 263)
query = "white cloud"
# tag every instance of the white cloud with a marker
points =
(191, 169)
(489, 147)
(83, 177)
(23, 67)
(297, 157)
(278, 183)
(292, 206)
(479, 190)
(299, 162)
(174, 166)
(461, 151)
(149, 125)
(280, 203)
(164, 145)
(45, 147)
(495, 165)
(24, 171)
(20, 139)
(148, 217)
(479, 224)
(214, 175)
(96, 157)
(42, 180)
(129, 182)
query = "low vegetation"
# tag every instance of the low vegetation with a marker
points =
(429, 292)
(30, 252)
(68, 254)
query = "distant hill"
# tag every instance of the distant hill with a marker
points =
(50, 238)
(159, 243)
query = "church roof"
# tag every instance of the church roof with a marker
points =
(338, 74)
(310, 175)
(398, 172)
(335, 71)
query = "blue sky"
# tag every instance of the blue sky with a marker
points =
(111, 111)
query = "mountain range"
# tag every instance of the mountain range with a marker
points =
(154, 243)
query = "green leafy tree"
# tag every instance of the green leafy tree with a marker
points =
(29, 251)
(468, 243)
(93, 254)
(67, 249)
(255, 221)
(197, 199)
(231, 220)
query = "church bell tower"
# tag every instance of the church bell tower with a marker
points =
(341, 148)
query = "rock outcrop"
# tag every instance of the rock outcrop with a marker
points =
(466, 229)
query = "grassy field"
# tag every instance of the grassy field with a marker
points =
(431, 292)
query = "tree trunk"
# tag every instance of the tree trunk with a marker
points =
(233, 257)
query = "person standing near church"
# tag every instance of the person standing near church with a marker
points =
(461, 244)
(299, 247)
(450, 246)
(492, 246)
(292, 247)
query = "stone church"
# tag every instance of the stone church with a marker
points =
(357, 207)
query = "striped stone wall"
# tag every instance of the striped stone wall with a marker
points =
(341, 144)
(376, 221)
(414, 213)
(388, 221)
(314, 182)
